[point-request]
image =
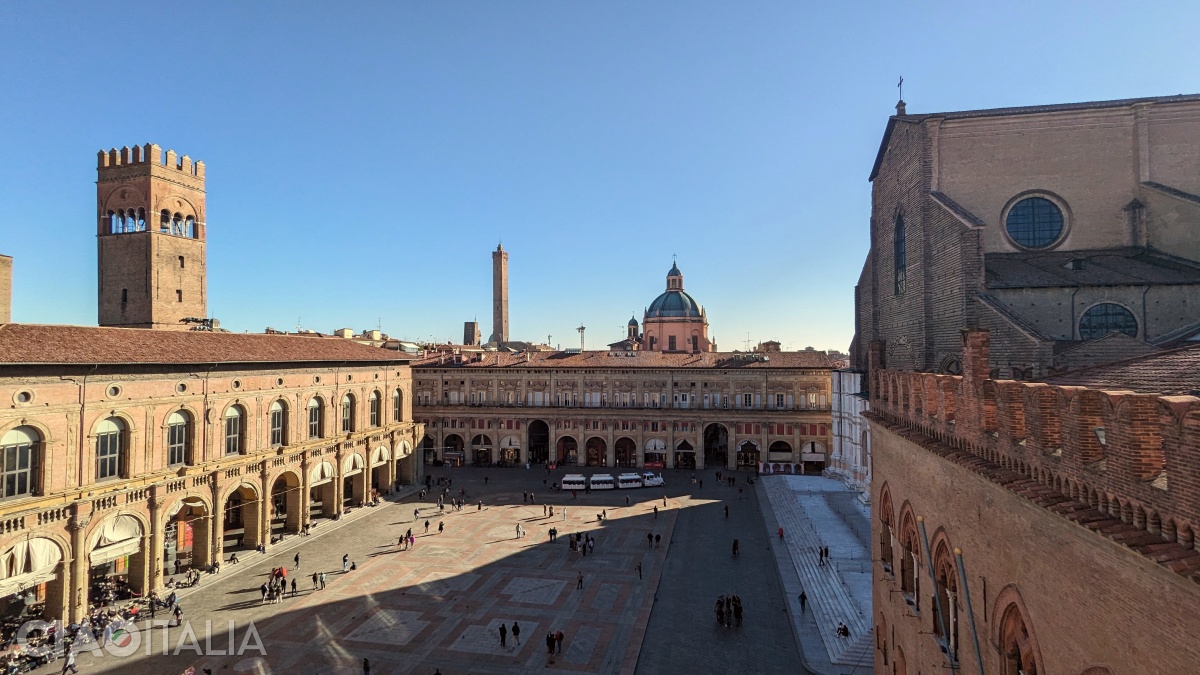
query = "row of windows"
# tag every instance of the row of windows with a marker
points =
(124, 221)
(20, 448)
(629, 400)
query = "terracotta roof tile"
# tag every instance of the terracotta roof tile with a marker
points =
(23, 343)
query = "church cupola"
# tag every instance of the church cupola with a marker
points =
(674, 278)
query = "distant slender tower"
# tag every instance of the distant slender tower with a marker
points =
(499, 295)
(150, 238)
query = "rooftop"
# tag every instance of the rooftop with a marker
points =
(637, 359)
(26, 344)
(1104, 267)
(1174, 372)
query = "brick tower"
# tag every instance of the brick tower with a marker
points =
(499, 295)
(150, 238)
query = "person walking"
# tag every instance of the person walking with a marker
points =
(549, 642)
(579, 581)
(503, 635)
(649, 540)
(726, 510)
(564, 514)
(316, 580)
(558, 638)
(346, 557)
(69, 662)
(178, 614)
(296, 560)
(323, 578)
(803, 601)
(525, 497)
(664, 501)
(516, 633)
(735, 547)
(441, 526)
(416, 514)
(657, 539)
(518, 530)
(639, 569)
(656, 511)
(427, 527)
(366, 667)
(293, 587)
(626, 500)
(781, 534)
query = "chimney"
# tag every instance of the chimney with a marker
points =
(5, 288)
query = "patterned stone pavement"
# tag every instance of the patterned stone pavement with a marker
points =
(439, 605)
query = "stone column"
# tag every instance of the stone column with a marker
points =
(305, 493)
(699, 447)
(339, 482)
(154, 556)
(731, 448)
(79, 568)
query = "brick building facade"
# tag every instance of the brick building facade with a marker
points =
(1031, 528)
(627, 409)
(1050, 226)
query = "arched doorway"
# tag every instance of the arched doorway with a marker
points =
(321, 491)
(285, 504)
(748, 454)
(117, 565)
(481, 444)
(407, 468)
(539, 442)
(685, 455)
(354, 480)
(812, 457)
(597, 451)
(186, 536)
(429, 450)
(716, 445)
(452, 450)
(510, 451)
(31, 580)
(656, 454)
(626, 453)
(241, 518)
(567, 451)
(381, 458)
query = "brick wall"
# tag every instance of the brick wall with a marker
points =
(5, 288)
(1092, 542)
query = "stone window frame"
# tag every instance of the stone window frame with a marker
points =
(1051, 197)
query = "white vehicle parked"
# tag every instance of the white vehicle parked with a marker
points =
(629, 480)
(574, 481)
(651, 479)
(602, 481)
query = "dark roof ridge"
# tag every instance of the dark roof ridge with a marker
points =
(957, 210)
(1123, 362)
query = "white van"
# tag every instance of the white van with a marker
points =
(574, 481)
(650, 479)
(603, 481)
(629, 480)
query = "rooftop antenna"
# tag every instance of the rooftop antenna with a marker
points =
(581, 329)
(297, 324)
(747, 340)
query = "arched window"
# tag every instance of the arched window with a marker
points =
(177, 224)
(316, 417)
(886, 518)
(20, 451)
(178, 437)
(114, 224)
(110, 449)
(1017, 646)
(1034, 222)
(235, 427)
(278, 424)
(910, 562)
(1105, 318)
(900, 255)
(373, 409)
(141, 220)
(397, 406)
(189, 227)
(946, 621)
(164, 222)
(347, 413)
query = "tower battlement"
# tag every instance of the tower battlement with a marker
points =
(149, 153)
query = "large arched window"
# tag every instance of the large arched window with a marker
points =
(946, 619)
(110, 449)
(886, 520)
(347, 413)
(910, 562)
(235, 430)
(316, 417)
(1017, 646)
(278, 424)
(20, 451)
(373, 409)
(397, 406)
(178, 437)
(900, 255)
(1105, 318)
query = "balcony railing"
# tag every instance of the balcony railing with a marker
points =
(609, 407)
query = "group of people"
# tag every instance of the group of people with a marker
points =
(581, 543)
(276, 587)
(729, 610)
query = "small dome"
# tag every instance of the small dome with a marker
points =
(674, 304)
(633, 321)
(674, 271)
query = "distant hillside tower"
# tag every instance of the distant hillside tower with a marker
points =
(150, 238)
(499, 295)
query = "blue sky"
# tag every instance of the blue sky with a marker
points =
(364, 158)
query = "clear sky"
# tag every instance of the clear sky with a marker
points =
(365, 158)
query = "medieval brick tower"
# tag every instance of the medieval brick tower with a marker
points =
(150, 238)
(499, 295)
